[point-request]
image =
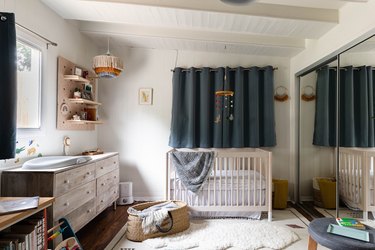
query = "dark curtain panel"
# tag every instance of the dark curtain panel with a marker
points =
(356, 107)
(8, 86)
(202, 119)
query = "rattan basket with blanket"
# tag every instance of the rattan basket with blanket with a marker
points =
(177, 221)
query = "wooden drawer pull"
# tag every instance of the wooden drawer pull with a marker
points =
(67, 181)
(89, 211)
(102, 201)
(66, 204)
(101, 167)
(88, 173)
(103, 184)
(88, 192)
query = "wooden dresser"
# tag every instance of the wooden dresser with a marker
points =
(81, 192)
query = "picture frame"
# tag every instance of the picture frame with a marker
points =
(145, 96)
(78, 71)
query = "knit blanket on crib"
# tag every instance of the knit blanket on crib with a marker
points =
(193, 168)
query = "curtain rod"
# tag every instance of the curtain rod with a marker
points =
(49, 42)
(213, 70)
(342, 68)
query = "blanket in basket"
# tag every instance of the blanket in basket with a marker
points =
(153, 215)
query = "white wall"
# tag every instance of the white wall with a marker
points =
(71, 45)
(140, 133)
(357, 22)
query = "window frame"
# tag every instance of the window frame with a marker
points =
(40, 45)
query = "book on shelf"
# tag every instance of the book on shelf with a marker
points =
(350, 222)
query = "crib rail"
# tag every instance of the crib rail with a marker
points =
(356, 178)
(241, 180)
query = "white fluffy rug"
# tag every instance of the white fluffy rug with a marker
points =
(222, 234)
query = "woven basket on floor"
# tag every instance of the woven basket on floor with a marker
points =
(179, 221)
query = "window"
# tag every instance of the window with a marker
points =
(29, 78)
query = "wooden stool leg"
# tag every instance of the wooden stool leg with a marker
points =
(312, 244)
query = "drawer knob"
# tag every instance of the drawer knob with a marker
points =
(88, 192)
(103, 184)
(101, 167)
(66, 204)
(66, 181)
(101, 201)
(88, 173)
(115, 177)
(89, 211)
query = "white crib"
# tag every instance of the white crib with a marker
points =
(239, 185)
(356, 178)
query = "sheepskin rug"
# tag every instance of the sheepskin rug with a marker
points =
(225, 233)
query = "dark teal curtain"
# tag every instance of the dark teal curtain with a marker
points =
(8, 86)
(201, 119)
(356, 107)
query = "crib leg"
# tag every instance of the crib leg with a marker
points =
(365, 215)
(270, 216)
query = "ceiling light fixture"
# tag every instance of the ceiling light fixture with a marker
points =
(237, 2)
(107, 66)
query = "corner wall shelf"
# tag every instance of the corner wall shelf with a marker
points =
(86, 107)
(76, 78)
(84, 122)
(83, 101)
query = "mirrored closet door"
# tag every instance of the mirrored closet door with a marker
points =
(357, 131)
(317, 140)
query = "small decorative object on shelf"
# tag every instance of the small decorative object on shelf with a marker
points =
(77, 71)
(77, 93)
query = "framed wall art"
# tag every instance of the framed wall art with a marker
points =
(145, 96)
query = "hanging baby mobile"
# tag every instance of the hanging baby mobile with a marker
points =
(224, 102)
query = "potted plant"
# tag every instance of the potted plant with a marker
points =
(77, 93)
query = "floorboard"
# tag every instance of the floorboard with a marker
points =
(98, 233)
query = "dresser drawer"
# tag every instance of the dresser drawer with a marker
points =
(106, 165)
(66, 181)
(74, 199)
(82, 215)
(105, 199)
(107, 181)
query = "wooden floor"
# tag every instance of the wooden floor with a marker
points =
(97, 234)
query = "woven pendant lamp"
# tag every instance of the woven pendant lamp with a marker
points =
(107, 66)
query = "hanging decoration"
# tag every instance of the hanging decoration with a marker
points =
(224, 101)
(308, 93)
(281, 94)
(107, 66)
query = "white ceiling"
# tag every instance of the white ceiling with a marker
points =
(266, 27)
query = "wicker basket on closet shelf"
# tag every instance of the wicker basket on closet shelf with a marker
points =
(178, 221)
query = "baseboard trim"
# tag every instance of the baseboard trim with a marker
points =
(149, 198)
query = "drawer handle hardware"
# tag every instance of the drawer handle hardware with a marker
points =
(101, 167)
(115, 177)
(101, 201)
(66, 204)
(88, 192)
(67, 181)
(89, 211)
(88, 173)
(103, 184)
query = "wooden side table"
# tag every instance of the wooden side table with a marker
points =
(318, 235)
